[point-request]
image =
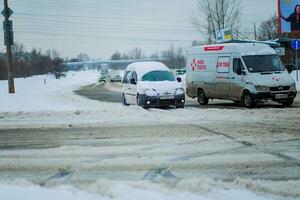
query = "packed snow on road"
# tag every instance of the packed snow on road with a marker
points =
(161, 160)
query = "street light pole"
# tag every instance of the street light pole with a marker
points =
(8, 41)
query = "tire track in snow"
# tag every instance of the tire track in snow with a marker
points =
(254, 146)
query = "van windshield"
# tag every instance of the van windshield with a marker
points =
(263, 63)
(158, 76)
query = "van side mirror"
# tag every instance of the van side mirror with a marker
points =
(240, 71)
(179, 80)
(290, 68)
(133, 81)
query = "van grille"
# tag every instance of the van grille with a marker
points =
(280, 88)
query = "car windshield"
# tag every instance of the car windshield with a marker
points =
(158, 76)
(263, 63)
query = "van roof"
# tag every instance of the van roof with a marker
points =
(142, 68)
(239, 48)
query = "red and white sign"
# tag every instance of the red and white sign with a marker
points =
(198, 65)
(223, 64)
(214, 48)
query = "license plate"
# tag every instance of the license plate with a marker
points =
(281, 96)
(167, 97)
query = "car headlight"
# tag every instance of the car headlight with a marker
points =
(179, 91)
(293, 87)
(262, 88)
(150, 92)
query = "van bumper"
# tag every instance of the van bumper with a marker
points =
(156, 102)
(271, 96)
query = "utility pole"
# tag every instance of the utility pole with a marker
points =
(255, 33)
(8, 37)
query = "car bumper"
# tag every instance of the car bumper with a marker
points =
(272, 96)
(154, 102)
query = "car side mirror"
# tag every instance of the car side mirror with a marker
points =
(133, 81)
(179, 80)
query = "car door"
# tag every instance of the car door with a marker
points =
(223, 77)
(127, 86)
(237, 83)
(133, 87)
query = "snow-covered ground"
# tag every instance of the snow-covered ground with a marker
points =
(33, 94)
(36, 104)
(108, 190)
(54, 104)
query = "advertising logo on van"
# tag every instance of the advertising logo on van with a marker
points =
(276, 78)
(198, 65)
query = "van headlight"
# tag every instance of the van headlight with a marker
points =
(179, 91)
(293, 87)
(150, 92)
(262, 88)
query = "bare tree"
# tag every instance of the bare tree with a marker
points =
(269, 29)
(83, 57)
(216, 14)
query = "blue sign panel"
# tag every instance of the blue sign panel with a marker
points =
(296, 44)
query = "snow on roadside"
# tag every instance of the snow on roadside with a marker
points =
(120, 191)
(294, 75)
(33, 95)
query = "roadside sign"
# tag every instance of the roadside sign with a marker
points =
(224, 35)
(7, 12)
(296, 44)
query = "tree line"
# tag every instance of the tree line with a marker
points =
(34, 62)
(174, 57)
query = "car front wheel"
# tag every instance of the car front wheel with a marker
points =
(124, 102)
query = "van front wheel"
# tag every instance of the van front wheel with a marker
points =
(202, 99)
(248, 100)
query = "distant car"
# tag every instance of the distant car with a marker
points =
(103, 77)
(115, 76)
(151, 84)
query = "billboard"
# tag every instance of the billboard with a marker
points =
(289, 16)
(224, 35)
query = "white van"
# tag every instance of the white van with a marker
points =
(241, 72)
(151, 84)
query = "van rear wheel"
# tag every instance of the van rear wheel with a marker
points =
(202, 99)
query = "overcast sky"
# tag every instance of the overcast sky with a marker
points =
(101, 27)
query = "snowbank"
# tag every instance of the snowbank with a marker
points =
(294, 75)
(45, 93)
(119, 191)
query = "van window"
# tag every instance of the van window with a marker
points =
(223, 64)
(237, 63)
(263, 63)
(126, 77)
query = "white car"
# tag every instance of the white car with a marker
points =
(151, 84)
